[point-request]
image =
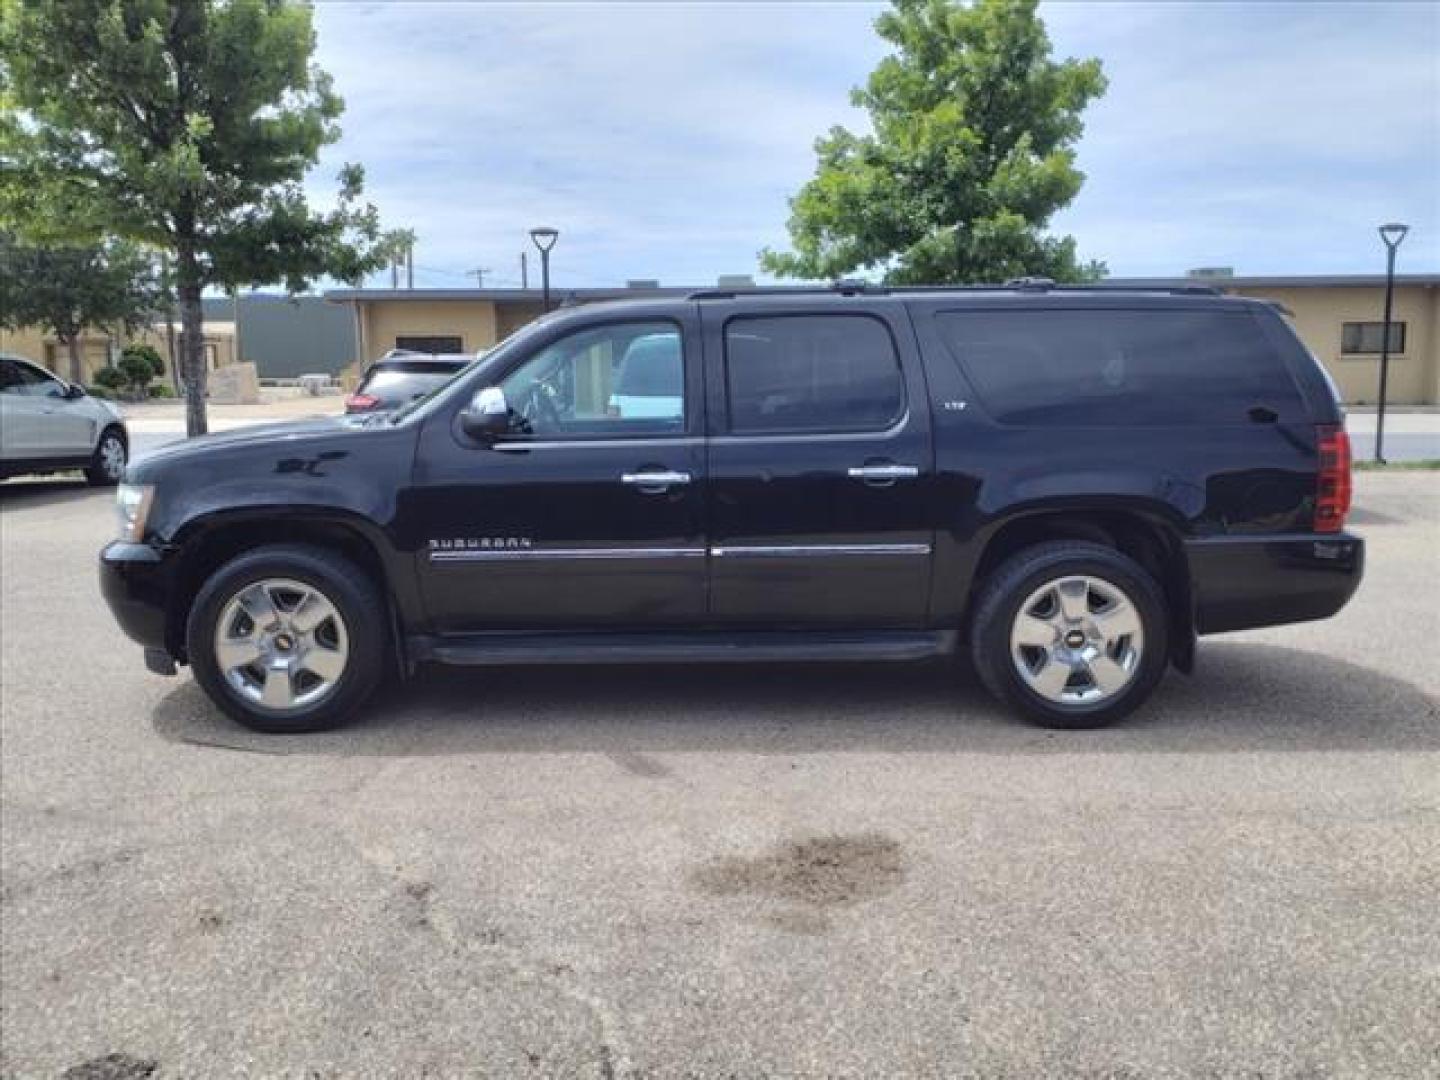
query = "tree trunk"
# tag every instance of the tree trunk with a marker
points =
(173, 356)
(192, 340)
(77, 371)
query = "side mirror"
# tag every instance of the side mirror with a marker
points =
(73, 391)
(487, 416)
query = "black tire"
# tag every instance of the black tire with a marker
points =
(347, 587)
(1007, 588)
(97, 472)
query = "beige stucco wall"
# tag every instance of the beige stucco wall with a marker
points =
(382, 321)
(1319, 314)
(42, 347)
(512, 317)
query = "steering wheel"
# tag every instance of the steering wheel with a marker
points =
(540, 407)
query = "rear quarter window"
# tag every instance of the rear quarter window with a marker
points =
(1107, 368)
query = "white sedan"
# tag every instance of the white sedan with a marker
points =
(48, 425)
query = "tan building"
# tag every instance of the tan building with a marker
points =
(1338, 317)
(98, 349)
(454, 320)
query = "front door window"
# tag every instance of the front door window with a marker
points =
(613, 381)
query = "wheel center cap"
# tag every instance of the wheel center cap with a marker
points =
(284, 642)
(1074, 639)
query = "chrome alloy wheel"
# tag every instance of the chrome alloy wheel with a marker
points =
(112, 457)
(281, 644)
(1077, 640)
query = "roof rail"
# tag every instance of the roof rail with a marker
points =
(1031, 284)
(1045, 284)
(856, 287)
(841, 286)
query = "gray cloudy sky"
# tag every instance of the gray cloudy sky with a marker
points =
(663, 139)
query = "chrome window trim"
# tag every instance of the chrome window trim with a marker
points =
(599, 444)
(523, 554)
(877, 434)
(790, 551)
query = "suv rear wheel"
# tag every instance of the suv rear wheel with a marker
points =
(288, 639)
(1071, 633)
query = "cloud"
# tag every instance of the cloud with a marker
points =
(663, 140)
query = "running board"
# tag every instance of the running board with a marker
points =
(683, 648)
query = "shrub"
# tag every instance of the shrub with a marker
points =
(111, 378)
(161, 390)
(136, 370)
(151, 356)
(99, 392)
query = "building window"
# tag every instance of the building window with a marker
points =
(1367, 337)
(430, 343)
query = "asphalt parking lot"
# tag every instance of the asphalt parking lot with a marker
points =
(797, 871)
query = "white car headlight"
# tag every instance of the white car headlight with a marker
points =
(132, 503)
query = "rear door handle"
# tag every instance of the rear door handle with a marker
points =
(883, 474)
(654, 481)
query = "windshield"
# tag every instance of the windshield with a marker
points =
(395, 384)
(421, 407)
(415, 389)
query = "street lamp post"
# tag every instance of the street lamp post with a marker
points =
(544, 238)
(1392, 234)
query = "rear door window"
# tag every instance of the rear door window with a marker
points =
(1107, 368)
(811, 373)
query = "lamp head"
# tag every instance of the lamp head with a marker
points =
(544, 237)
(1393, 233)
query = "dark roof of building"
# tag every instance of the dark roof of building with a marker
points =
(557, 295)
(1280, 281)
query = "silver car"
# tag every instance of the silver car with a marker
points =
(48, 425)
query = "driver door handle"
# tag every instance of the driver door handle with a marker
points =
(654, 481)
(884, 473)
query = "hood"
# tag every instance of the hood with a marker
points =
(277, 434)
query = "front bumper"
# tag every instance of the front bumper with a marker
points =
(136, 581)
(1241, 582)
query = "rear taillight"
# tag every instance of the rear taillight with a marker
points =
(360, 402)
(1332, 484)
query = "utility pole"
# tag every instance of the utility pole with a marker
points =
(480, 272)
(524, 272)
(410, 266)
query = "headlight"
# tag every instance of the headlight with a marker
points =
(132, 503)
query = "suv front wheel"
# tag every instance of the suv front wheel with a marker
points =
(288, 639)
(1072, 633)
(107, 463)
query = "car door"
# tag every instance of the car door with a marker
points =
(579, 517)
(66, 426)
(19, 414)
(820, 465)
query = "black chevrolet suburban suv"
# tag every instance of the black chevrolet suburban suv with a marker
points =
(1069, 484)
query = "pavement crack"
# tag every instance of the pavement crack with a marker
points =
(486, 949)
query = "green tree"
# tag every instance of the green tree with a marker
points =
(187, 125)
(972, 152)
(68, 290)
